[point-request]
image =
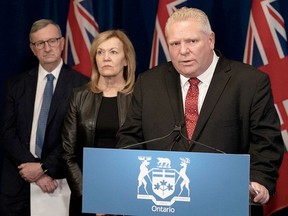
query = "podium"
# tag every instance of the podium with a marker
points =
(143, 182)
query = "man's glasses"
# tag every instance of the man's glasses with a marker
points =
(52, 43)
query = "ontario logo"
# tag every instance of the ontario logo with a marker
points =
(162, 183)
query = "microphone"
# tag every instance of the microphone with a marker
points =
(190, 141)
(179, 128)
(176, 128)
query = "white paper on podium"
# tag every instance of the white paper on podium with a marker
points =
(47, 204)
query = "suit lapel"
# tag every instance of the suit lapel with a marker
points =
(220, 78)
(60, 92)
(172, 80)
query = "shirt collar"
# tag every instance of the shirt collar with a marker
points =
(206, 76)
(42, 72)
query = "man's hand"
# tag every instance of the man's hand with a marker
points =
(258, 193)
(47, 184)
(30, 171)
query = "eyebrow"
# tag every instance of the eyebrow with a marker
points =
(108, 49)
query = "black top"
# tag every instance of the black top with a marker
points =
(107, 123)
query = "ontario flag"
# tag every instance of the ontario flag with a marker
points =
(81, 29)
(267, 49)
(159, 52)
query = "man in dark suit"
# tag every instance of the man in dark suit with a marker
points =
(235, 106)
(21, 165)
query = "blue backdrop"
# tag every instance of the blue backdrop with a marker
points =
(229, 20)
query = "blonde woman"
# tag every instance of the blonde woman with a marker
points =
(98, 109)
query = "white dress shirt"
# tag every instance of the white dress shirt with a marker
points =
(41, 83)
(205, 80)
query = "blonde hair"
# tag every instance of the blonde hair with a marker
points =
(129, 52)
(42, 23)
(186, 13)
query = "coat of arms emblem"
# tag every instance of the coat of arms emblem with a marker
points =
(163, 184)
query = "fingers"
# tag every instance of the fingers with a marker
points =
(46, 188)
(49, 188)
(30, 171)
(24, 177)
(21, 166)
(47, 184)
(55, 183)
(258, 193)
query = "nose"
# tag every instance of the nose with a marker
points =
(47, 46)
(184, 49)
(106, 56)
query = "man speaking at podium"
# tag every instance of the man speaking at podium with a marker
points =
(204, 102)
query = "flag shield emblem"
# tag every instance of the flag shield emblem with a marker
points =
(163, 182)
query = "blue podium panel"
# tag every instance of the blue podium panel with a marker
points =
(142, 182)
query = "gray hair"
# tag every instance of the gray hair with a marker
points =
(42, 23)
(186, 13)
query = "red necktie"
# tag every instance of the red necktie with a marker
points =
(191, 106)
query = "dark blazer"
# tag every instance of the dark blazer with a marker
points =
(237, 116)
(18, 116)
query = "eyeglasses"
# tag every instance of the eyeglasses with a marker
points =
(52, 43)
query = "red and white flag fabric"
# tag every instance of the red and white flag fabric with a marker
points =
(80, 31)
(267, 49)
(159, 52)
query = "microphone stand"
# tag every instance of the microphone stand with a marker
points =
(190, 141)
(175, 129)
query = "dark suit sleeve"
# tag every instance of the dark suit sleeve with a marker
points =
(155, 109)
(266, 143)
(131, 131)
(16, 146)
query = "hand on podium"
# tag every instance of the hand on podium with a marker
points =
(258, 193)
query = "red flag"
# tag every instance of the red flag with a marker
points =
(267, 49)
(80, 32)
(159, 52)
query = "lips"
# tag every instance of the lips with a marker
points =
(49, 56)
(107, 66)
(187, 62)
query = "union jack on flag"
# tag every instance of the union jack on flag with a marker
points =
(80, 31)
(267, 49)
(159, 52)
